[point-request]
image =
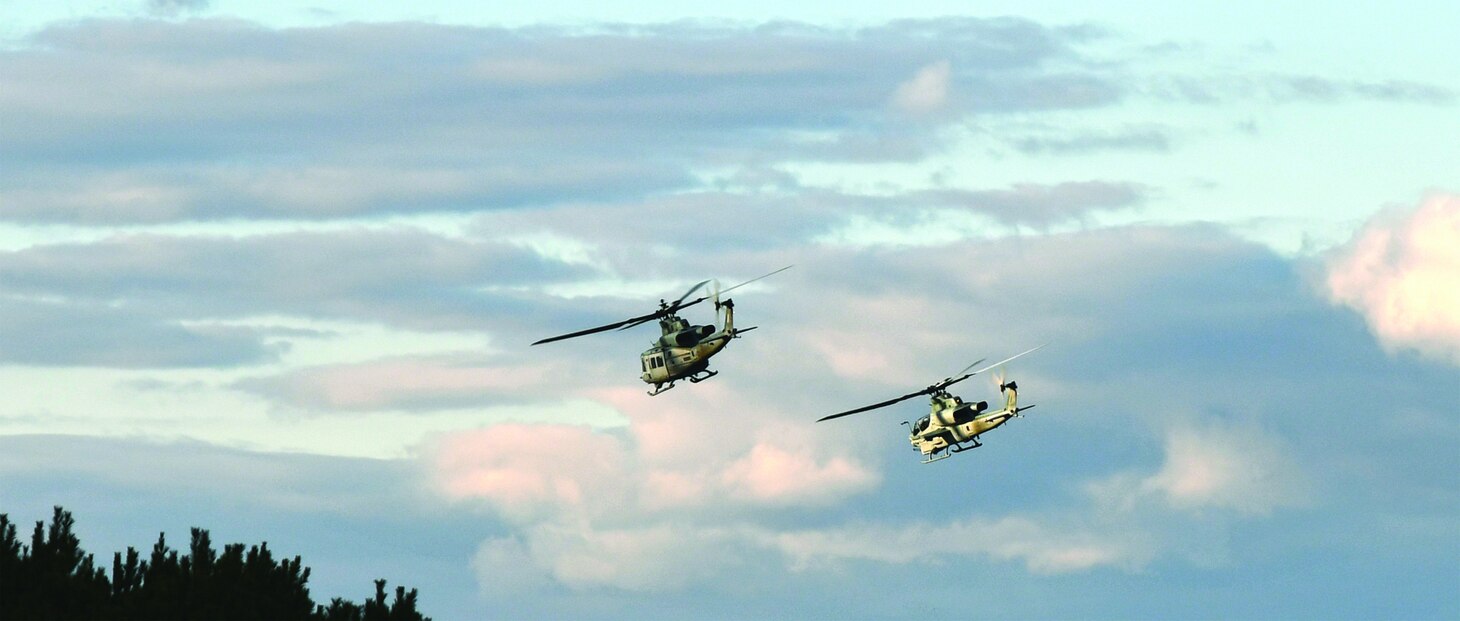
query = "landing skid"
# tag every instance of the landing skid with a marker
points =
(953, 448)
(693, 379)
(959, 448)
(932, 457)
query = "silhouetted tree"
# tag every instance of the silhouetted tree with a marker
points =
(53, 578)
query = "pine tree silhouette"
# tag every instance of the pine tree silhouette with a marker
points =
(54, 578)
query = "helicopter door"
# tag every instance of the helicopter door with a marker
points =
(654, 365)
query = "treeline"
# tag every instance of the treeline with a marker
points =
(54, 578)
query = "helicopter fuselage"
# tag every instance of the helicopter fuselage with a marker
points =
(666, 364)
(952, 423)
(953, 426)
(683, 351)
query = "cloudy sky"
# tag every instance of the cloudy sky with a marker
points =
(273, 268)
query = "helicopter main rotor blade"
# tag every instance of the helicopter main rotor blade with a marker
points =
(875, 405)
(931, 389)
(672, 307)
(947, 383)
(680, 303)
(756, 278)
(965, 369)
(666, 309)
(627, 323)
(632, 320)
(686, 294)
(1007, 360)
(659, 313)
(637, 322)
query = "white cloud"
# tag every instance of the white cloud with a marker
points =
(926, 92)
(1402, 272)
(1209, 477)
(433, 382)
(1226, 468)
(281, 481)
(136, 121)
(648, 558)
(386, 275)
(505, 565)
(175, 7)
(222, 119)
(1044, 548)
(672, 556)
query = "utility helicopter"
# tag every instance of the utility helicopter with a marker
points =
(953, 426)
(683, 350)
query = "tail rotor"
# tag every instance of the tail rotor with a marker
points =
(1001, 379)
(719, 306)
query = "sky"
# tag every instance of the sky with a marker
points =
(273, 269)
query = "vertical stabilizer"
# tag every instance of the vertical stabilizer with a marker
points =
(1011, 396)
(729, 306)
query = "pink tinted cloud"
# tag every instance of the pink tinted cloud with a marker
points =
(532, 470)
(676, 488)
(525, 469)
(776, 475)
(1402, 272)
(571, 491)
(692, 427)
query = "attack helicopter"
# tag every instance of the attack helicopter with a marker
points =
(953, 426)
(683, 350)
